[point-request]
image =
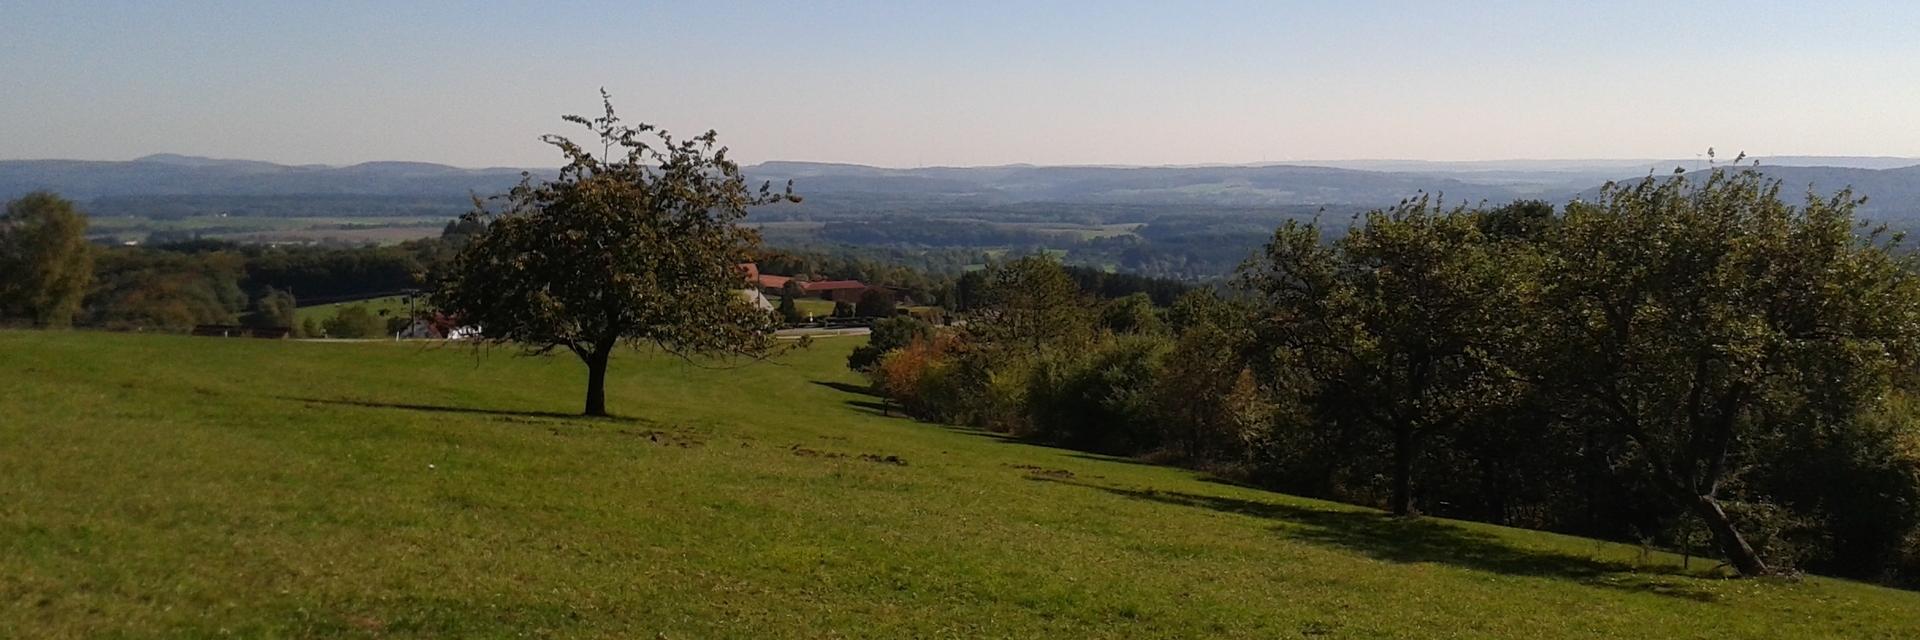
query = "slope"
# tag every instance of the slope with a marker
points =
(171, 486)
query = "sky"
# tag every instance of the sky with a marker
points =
(904, 83)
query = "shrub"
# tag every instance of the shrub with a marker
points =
(888, 335)
(354, 321)
(875, 302)
(1101, 401)
(912, 376)
(1133, 314)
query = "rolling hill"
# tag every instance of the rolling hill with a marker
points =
(178, 186)
(165, 486)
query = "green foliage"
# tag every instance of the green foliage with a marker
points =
(45, 263)
(145, 289)
(1112, 286)
(793, 290)
(791, 294)
(548, 519)
(274, 308)
(889, 335)
(354, 322)
(875, 302)
(1030, 304)
(1133, 314)
(322, 273)
(918, 272)
(789, 310)
(637, 245)
(1205, 402)
(1396, 329)
(1694, 319)
(1679, 360)
(1102, 400)
(1203, 307)
(1521, 221)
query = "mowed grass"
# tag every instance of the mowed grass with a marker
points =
(392, 305)
(183, 487)
(811, 306)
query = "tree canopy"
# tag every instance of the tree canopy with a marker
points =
(635, 244)
(1694, 320)
(45, 263)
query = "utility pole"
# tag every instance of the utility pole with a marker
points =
(413, 312)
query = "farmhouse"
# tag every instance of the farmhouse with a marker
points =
(847, 291)
(766, 283)
(436, 326)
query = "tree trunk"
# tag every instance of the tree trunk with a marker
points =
(597, 382)
(1732, 545)
(1403, 471)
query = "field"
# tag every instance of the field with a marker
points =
(183, 487)
(808, 305)
(392, 305)
(296, 230)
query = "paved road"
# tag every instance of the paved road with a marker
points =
(795, 334)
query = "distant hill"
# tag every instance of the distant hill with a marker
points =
(185, 175)
(1269, 185)
(186, 185)
(168, 185)
(1892, 194)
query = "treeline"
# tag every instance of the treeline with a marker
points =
(173, 207)
(945, 278)
(176, 284)
(1685, 363)
(54, 278)
(1180, 242)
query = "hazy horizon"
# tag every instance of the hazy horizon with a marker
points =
(931, 85)
(1458, 164)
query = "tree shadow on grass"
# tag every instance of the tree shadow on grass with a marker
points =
(881, 408)
(1416, 540)
(849, 388)
(466, 410)
(1101, 457)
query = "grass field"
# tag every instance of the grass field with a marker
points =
(808, 305)
(183, 487)
(377, 230)
(393, 305)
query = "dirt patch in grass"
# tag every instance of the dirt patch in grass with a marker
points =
(880, 459)
(665, 438)
(805, 452)
(1043, 472)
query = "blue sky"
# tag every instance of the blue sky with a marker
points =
(951, 83)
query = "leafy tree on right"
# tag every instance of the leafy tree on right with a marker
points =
(1695, 320)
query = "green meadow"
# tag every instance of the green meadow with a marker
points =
(392, 305)
(163, 486)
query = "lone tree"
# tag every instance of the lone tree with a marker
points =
(45, 264)
(636, 245)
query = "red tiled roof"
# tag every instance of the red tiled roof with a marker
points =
(768, 281)
(834, 285)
